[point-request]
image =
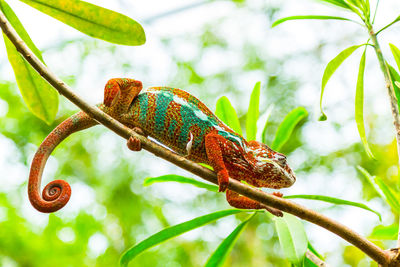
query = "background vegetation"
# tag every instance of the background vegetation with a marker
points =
(210, 49)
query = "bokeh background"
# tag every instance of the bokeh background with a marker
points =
(211, 49)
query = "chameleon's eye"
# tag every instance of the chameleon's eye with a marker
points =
(280, 158)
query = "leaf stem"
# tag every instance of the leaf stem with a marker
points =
(387, 26)
(375, 11)
(372, 250)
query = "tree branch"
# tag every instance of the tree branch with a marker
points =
(337, 228)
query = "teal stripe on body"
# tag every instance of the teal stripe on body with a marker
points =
(187, 121)
(172, 127)
(163, 99)
(143, 103)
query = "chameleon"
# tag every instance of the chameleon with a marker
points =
(182, 123)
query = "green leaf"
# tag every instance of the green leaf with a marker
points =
(93, 20)
(206, 166)
(171, 232)
(264, 122)
(336, 201)
(309, 263)
(292, 237)
(370, 180)
(314, 251)
(227, 114)
(387, 26)
(219, 256)
(179, 179)
(331, 68)
(19, 28)
(359, 104)
(40, 97)
(339, 3)
(396, 54)
(253, 113)
(395, 77)
(279, 21)
(388, 232)
(390, 196)
(287, 126)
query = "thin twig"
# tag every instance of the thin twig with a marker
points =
(315, 259)
(375, 11)
(339, 229)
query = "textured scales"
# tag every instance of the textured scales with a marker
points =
(174, 118)
(179, 121)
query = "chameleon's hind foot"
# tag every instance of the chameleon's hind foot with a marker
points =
(277, 194)
(242, 202)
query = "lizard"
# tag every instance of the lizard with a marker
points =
(179, 121)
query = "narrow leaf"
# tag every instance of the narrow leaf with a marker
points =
(40, 98)
(387, 26)
(287, 126)
(279, 21)
(391, 197)
(227, 114)
(93, 20)
(219, 256)
(292, 237)
(171, 232)
(330, 69)
(339, 3)
(359, 104)
(263, 122)
(389, 232)
(309, 263)
(396, 54)
(395, 77)
(336, 201)
(314, 251)
(370, 180)
(19, 28)
(179, 179)
(253, 113)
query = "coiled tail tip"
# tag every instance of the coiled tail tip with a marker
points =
(55, 195)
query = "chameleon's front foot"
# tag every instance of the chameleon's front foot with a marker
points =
(134, 143)
(223, 180)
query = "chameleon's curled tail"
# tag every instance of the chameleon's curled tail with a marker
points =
(57, 193)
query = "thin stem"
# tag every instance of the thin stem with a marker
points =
(390, 90)
(373, 251)
(375, 11)
(387, 26)
(315, 259)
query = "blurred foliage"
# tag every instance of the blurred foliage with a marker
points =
(117, 211)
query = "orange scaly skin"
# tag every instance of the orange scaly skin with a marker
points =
(179, 121)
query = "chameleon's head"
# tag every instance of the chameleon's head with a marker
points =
(115, 87)
(270, 167)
